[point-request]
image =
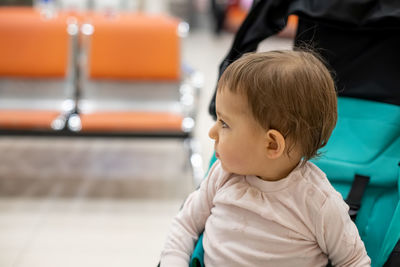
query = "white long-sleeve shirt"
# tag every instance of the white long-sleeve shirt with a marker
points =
(300, 220)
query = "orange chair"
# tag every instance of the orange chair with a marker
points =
(131, 79)
(36, 69)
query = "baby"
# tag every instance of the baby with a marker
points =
(263, 203)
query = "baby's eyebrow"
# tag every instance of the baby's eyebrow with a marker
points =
(221, 115)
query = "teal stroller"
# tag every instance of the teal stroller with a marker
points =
(362, 159)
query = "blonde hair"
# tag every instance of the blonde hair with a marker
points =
(289, 91)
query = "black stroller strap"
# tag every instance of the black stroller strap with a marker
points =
(356, 193)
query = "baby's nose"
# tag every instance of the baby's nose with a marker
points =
(213, 132)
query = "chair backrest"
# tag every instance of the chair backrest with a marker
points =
(31, 45)
(134, 46)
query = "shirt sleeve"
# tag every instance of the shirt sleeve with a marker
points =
(190, 221)
(338, 236)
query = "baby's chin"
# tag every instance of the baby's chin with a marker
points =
(224, 167)
(231, 170)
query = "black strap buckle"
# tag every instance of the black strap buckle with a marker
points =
(357, 190)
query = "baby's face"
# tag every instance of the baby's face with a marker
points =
(239, 138)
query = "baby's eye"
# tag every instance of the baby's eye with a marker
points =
(223, 124)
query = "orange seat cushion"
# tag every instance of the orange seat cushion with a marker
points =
(30, 45)
(27, 119)
(131, 121)
(134, 46)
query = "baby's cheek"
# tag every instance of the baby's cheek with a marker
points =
(234, 162)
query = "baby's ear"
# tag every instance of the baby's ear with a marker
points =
(274, 143)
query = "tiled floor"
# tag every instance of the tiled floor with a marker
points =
(53, 231)
(101, 202)
(72, 202)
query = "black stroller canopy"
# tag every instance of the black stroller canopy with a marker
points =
(359, 39)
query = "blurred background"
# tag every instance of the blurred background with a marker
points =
(95, 160)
